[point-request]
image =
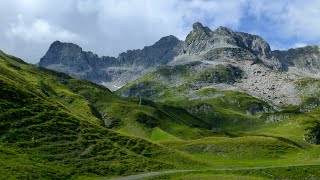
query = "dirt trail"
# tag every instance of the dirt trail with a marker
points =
(151, 174)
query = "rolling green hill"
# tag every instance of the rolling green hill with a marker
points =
(56, 126)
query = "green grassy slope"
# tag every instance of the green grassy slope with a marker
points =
(53, 126)
(181, 86)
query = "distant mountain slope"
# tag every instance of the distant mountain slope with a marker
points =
(305, 60)
(110, 71)
(267, 75)
(236, 61)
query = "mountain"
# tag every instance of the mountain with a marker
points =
(54, 126)
(228, 60)
(218, 100)
(233, 81)
(241, 82)
(202, 44)
(110, 71)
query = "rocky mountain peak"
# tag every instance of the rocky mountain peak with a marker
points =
(201, 40)
(57, 45)
(224, 31)
(165, 41)
(63, 53)
(199, 28)
(197, 39)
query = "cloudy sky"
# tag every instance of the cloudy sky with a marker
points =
(108, 27)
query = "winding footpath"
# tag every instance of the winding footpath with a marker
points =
(151, 174)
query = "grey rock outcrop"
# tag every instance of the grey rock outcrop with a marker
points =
(305, 59)
(160, 53)
(71, 59)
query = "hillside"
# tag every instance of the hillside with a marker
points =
(56, 126)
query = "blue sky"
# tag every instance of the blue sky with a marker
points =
(108, 27)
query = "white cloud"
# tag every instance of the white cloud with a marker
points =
(290, 18)
(169, 15)
(302, 19)
(109, 27)
(131, 24)
(216, 13)
(299, 44)
(38, 31)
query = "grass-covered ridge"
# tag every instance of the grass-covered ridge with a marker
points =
(54, 126)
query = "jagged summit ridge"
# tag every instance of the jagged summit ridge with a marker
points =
(198, 27)
(202, 40)
(223, 45)
(224, 31)
(223, 37)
